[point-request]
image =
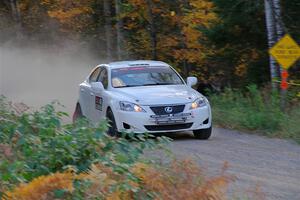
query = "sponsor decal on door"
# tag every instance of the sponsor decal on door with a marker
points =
(98, 103)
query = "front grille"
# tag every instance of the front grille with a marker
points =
(171, 127)
(160, 110)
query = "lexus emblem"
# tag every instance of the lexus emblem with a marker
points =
(168, 109)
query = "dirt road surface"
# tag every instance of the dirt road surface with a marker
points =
(271, 164)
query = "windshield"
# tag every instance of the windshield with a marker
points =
(144, 76)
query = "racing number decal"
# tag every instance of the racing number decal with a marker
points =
(98, 103)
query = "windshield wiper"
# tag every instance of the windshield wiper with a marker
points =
(149, 84)
(123, 86)
(158, 84)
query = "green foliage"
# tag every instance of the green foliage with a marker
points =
(290, 10)
(256, 110)
(35, 144)
(239, 40)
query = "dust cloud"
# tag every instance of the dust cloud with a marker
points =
(36, 76)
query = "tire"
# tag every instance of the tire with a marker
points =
(77, 113)
(203, 134)
(112, 129)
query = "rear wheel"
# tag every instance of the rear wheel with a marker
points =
(203, 134)
(112, 129)
(77, 113)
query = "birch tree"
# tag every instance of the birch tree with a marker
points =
(272, 38)
(278, 19)
(275, 29)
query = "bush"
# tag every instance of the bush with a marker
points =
(178, 180)
(256, 111)
(43, 187)
(36, 144)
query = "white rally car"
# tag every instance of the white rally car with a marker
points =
(143, 96)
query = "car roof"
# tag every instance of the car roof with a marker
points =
(134, 63)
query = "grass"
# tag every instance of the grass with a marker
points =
(257, 111)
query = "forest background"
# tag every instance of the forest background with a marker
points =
(224, 43)
(220, 41)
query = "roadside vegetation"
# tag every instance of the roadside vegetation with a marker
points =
(42, 159)
(257, 110)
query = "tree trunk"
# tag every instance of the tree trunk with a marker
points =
(119, 26)
(279, 22)
(272, 38)
(152, 29)
(186, 66)
(108, 28)
(15, 13)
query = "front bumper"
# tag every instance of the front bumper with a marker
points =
(188, 120)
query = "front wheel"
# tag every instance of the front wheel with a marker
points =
(112, 129)
(203, 134)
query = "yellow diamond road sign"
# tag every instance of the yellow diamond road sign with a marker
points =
(286, 51)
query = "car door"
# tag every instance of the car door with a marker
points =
(101, 98)
(83, 97)
(89, 95)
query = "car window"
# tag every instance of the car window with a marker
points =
(144, 76)
(94, 76)
(103, 78)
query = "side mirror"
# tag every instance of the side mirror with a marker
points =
(97, 86)
(191, 81)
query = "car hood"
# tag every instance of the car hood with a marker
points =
(156, 95)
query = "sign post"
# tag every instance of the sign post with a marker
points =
(286, 52)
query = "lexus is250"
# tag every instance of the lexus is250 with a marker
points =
(143, 96)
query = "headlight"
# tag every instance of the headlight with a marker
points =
(131, 107)
(198, 103)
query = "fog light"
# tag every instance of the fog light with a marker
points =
(126, 126)
(206, 121)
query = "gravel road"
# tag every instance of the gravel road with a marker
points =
(272, 164)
